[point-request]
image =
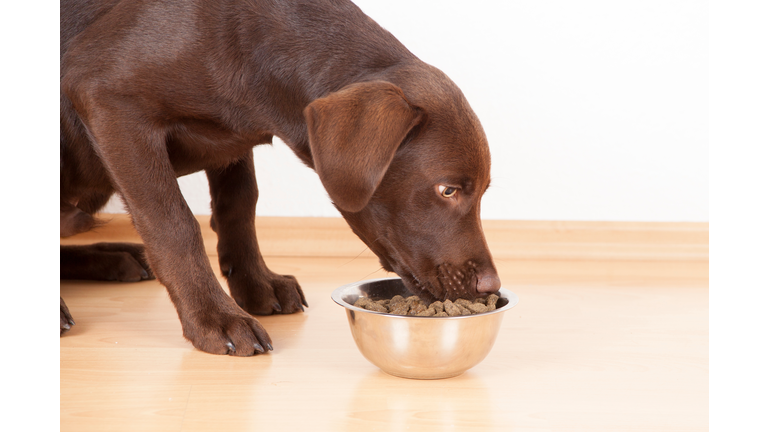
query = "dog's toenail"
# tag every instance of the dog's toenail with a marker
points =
(230, 347)
(276, 307)
(269, 347)
(258, 347)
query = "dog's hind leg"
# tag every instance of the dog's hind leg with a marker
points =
(123, 262)
(73, 221)
(254, 287)
(66, 321)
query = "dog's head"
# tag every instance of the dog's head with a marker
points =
(408, 175)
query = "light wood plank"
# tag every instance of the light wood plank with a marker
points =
(306, 236)
(594, 345)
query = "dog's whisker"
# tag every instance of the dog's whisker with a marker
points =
(358, 256)
(369, 274)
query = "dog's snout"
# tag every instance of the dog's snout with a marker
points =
(488, 282)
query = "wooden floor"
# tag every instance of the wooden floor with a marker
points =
(611, 334)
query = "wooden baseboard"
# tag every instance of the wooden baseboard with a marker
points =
(515, 240)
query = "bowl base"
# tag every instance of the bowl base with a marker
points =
(452, 375)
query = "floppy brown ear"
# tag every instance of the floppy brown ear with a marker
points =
(353, 136)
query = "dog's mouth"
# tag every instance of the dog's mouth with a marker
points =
(448, 282)
(442, 281)
(414, 284)
(431, 278)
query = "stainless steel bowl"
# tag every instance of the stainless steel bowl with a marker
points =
(419, 347)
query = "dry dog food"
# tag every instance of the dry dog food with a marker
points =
(399, 305)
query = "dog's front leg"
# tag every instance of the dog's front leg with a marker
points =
(137, 159)
(254, 287)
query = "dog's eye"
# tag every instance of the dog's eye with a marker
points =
(447, 191)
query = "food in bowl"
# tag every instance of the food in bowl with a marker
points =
(413, 306)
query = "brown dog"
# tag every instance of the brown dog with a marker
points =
(151, 90)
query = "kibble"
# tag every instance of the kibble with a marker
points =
(437, 306)
(366, 303)
(477, 308)
(412, 306)
(463, 302)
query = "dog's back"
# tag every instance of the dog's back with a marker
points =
(246, 66)
(76, 15)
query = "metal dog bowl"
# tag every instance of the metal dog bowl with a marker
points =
(419, 347)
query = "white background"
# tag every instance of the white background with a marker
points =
(595, 110)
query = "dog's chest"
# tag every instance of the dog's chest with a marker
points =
(197, 145)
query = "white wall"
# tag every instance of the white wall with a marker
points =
(595, 110)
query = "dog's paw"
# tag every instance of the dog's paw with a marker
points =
(66, 318)
(130, 263)
(266, 294)
(227, 330)
(289, 295)
(123, 262)
(124, 268)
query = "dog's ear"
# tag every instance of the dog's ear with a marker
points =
(353, 136)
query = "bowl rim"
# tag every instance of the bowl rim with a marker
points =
(336, 296)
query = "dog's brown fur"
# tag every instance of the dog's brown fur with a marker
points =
(151, 90)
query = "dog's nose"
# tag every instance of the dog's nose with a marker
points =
(488, 282)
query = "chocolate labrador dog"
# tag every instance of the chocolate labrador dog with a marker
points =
(152, 90)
